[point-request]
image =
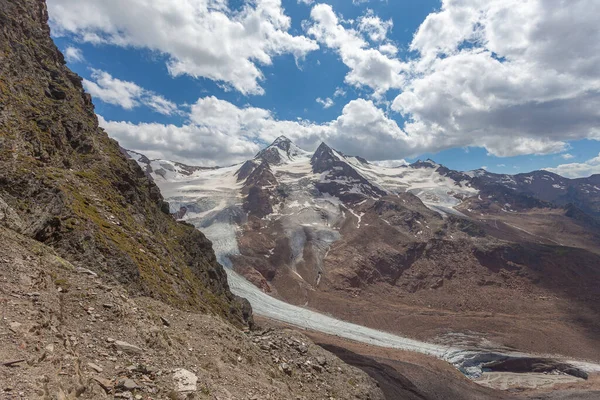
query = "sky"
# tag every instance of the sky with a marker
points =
(506, 85)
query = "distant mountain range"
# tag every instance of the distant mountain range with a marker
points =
(382, 246)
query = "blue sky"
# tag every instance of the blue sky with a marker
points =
(383, 79)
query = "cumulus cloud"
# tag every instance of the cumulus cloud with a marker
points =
(127, 95)
(578, 170)
(374, 27)
(200, 38)
(515, 77)
(219, 132)
(112, 90)
(159, 104)
(368, 66)
(326, 103)
(511, 76)
(73, 54)
(388, 49)
(567, 156)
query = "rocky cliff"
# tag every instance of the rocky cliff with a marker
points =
(65, 183)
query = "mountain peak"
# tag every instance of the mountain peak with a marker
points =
(281, 140)
(429, 163)
(281, 151)
(323, 158)
(323, 149)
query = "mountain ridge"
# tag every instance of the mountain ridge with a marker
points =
(66, 184)
(345, 236)
(565, 191)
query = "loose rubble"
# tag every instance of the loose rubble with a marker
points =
(68, 344)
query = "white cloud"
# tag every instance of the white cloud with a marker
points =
(374, 27)
(501, 165)
(219, 132)
(73, 55)
(159, 104)
(388, 49)
(368, 66)
(513, 76)
(188, 143)
(578, 170)
(339, 92)
(201, 38)
(113, 91)
(126, 94)
(391, 163)
(307, 2)
(484, 167)
(567, 156)
(326, 103)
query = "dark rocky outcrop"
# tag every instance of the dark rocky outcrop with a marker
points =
(259, 188)
(64, 182)
(339, 178)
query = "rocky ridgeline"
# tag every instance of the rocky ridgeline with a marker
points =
(64, 183)
(67, 333)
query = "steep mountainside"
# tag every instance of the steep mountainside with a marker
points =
(68, 333)
(66, 184)
(422, 250)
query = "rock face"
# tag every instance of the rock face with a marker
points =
(339, 178)
(66, 184)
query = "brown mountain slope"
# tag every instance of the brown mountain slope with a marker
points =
(418, 250)
(66, 184)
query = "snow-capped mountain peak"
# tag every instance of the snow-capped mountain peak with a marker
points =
(323, 158)
(281, 151)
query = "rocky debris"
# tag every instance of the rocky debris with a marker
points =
(291, 352)
(185, 381)
(127, 347)
(285, 367)
(127, 384)
(9, 218)
(106, 384)
(69, 343)
(95, 367)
